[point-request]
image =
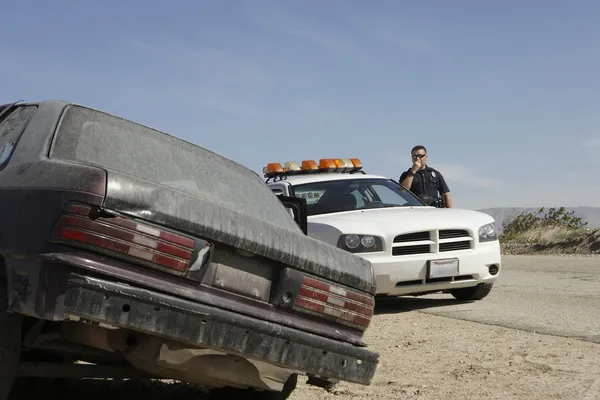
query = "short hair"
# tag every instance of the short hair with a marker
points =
(418, 147)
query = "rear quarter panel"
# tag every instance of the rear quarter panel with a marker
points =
(33, 189)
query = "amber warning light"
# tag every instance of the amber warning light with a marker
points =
(340, 165)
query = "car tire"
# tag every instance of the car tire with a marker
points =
(10, 341)
(472, 293)
(228, 393)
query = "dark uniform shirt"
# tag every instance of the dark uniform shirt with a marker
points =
(428, 184)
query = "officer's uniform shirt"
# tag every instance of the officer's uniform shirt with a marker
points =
(427, 182)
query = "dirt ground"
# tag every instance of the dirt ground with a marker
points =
(422, 357)
(430, 357)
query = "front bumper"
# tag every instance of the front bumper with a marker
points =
(204, 326)
(405, 275)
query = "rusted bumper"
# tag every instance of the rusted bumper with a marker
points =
(200, 325)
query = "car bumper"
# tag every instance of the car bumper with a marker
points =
(203, 326)
(404, 275)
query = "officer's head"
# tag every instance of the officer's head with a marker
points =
(419, 152)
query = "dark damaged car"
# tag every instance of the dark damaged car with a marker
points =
(143, 255)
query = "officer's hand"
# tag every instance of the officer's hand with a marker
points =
(417, 165)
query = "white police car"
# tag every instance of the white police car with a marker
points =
(415, 249)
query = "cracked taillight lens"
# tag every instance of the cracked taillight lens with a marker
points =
(333, 302)
(80, 224)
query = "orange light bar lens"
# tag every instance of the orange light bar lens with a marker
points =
(273, 169)
(327, 164)
(340, 165)
(357, 164)
(309, 165)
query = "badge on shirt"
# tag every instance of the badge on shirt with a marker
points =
(433, 174)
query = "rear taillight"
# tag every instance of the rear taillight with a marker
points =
(124, 236)
(334, 302)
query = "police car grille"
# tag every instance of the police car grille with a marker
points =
(453, 233)
(420, 243)
(424, 242)
(453, 244)
(412, 237)
(409, 250)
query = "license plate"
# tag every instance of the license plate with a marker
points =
(443, 268)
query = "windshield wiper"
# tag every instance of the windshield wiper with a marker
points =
(380, 205)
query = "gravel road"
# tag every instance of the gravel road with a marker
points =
(535, 337)
(557, 295)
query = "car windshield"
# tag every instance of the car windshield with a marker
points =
(354, 194)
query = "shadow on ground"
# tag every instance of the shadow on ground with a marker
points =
(393, 305)
(104, 389)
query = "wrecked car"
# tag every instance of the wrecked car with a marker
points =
(128, 252)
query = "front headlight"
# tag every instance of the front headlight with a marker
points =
(360, 243)
(488, 233)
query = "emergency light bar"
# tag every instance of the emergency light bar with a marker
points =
(310, 166)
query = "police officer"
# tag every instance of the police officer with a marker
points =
(426, 182)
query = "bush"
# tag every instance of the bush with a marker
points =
(532, 226)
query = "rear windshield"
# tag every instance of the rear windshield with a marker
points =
(12, 126)
(96, 138)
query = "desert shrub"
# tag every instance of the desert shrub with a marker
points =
(531, 226)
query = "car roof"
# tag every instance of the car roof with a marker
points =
(325, 176)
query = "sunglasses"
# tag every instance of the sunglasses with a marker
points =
(418, 155)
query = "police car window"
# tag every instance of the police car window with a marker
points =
(354, 194)
(311, 196)
(386, 195)
(360, 200)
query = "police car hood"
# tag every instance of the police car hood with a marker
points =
(397, 220)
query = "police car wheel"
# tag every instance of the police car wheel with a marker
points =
(472, 293)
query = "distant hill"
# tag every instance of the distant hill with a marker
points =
(589, 214)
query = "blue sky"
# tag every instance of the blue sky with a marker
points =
(505, 95)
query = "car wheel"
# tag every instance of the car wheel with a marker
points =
(228, 393)
(472, 293)
(10, 341)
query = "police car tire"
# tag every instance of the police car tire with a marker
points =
(472, 293)
(10, 341)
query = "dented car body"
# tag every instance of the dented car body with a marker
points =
(123, 246)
